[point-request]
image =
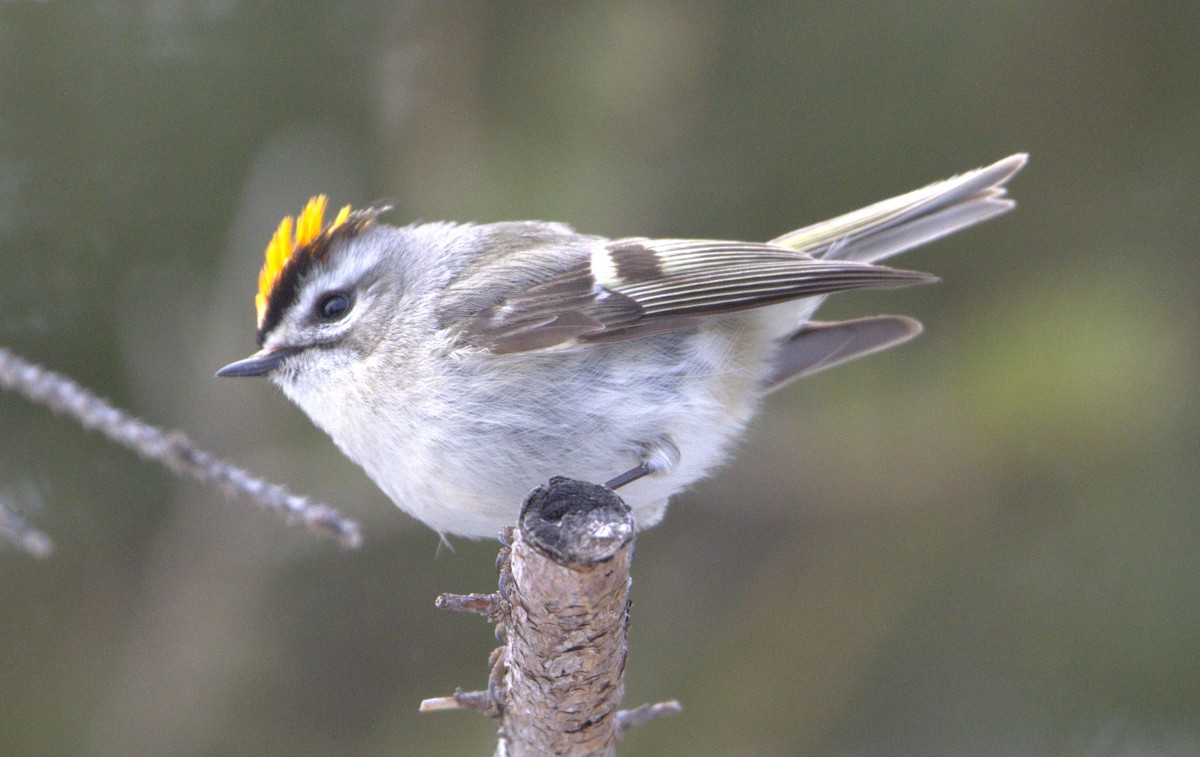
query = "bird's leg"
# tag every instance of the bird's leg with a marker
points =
(659, 456)
(628, 477)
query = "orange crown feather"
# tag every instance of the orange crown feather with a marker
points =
(309, 226)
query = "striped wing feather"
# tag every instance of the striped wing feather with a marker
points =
(636, 287)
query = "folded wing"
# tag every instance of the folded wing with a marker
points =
(631, 288)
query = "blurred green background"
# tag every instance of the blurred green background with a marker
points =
(985, 542)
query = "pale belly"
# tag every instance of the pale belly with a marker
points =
(462, 450)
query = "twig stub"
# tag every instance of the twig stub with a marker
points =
(479, 604)
(576, 523)
(627, 719)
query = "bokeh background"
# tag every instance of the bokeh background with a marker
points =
(985, 542)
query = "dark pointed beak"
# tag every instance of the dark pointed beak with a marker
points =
(258, 364)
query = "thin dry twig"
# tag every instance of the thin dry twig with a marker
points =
(479, 604)
(172, 449)
(627, 719)
(462, 700)
(28, 539)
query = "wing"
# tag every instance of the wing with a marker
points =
(635, 287)
(632, 288)
(820, 345)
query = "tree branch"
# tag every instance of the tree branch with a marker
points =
(172, 449)
(562, 614)
(28, 539)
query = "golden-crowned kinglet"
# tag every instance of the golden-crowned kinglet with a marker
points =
(462, 365)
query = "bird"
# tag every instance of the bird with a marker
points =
(461, 365)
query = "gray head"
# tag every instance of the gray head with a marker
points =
(329, 293)
(326, 293)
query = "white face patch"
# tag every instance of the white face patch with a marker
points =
(348, 269)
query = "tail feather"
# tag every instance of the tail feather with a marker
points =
(892, 226)
(820, 345)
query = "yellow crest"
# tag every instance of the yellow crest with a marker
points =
(308, 226)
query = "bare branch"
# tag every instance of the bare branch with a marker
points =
(172, 449)
(569, 601)
(562, 614)
(29, 540)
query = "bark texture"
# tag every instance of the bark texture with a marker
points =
(568, 600)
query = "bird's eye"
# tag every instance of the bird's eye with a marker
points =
(333, 306)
